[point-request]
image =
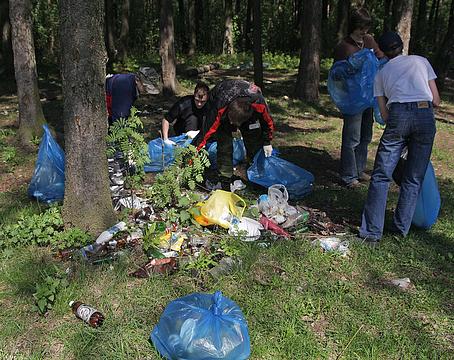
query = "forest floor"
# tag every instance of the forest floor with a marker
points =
(299, 302)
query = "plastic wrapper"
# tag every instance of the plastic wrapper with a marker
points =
(158, 160)
(48, 181)
(351, 83)
(202, 326)
(267, 171)
(221, 207)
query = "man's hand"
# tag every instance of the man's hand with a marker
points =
(268, 150)
(193, 133)
(170, 142)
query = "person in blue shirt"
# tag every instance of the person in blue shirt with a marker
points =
(122, 90)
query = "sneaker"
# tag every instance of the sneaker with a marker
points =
(364, 177)
(367, 240)
(353, 185)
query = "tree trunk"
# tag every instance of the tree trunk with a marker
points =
(31, 117)
(248, 26)
(183, 33)
(258, 63)
(124, 32)
(87, 203)
(110, 34)
(309, 67)
(416, 42)
(402, 15)
(227, 46)
(387, 24)
(167, 49)
(343, 10)
(445, 53)
(6, 50)
(191, 28)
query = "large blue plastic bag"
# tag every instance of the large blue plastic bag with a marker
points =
(351, 83)
(155, 151)
(239, 152)
(48, 181)
(429, 202)
(202, 327)
(267, 171)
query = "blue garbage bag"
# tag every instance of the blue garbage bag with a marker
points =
(239, 152)
(202, 327)
(48, 181)
(351, 83)
(429, 202)
(155, 148)
(267, 171)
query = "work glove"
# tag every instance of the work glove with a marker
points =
(193, 133)
(268, 150)
(170, 142)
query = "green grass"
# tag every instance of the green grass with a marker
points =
(299, 302)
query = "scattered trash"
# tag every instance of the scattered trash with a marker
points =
(87, 314)
(202, 326)
(269, 224)
(404, 283)
(156, 266)
(237, 185)
(221, 207)
(321, 224)
(250, 228)
(131, 202)
(109, 233)
(225, 266)
(333, 244)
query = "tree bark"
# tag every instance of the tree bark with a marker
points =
(6, 50)
(191, 28)
(110, 34)
(167, 49)
(183, 33)
(124, 32)
(258, 62)
(309, 68)
(416, 42)
(387, 23)
(445, 53)
(227, 46)
(31, 117)
(87, 203)
(402, 15)
(248, 26)
(343, 10)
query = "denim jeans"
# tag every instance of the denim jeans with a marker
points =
(356, 136)
(410, 126)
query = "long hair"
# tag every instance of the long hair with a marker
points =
(359, 18)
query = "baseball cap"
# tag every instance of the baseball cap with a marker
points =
(389, 41)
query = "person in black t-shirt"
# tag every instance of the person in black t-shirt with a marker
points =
(187, 114)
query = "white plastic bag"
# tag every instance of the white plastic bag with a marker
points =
(251, 226)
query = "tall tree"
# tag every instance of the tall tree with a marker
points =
(124, 32)
(402, 15)
(258, 62)
(87, 203)
(110, 34)
(309, 68)
(343, 10)
(387, 23)
(416, 41)
(167, 49)
(248, 26)
(227, 45)
(183, 33)
(445, 53)
(31, 115)
(191, 28)
(6, 50)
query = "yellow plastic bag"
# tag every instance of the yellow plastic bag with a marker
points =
(221, 206)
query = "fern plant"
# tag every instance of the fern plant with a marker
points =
(125, 136)
(186, 172)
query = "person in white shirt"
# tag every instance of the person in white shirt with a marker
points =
(406, 92)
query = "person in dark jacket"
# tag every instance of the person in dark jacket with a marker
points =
(122, 90)
(236, 105)
(187, 114)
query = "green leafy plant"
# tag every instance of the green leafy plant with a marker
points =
(204, 261)
(125, 137)
(229, 246)
(151, 240)
(186, 172)
(47, 290)
(71, 238)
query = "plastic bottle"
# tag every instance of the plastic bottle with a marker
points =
(109, 233)
(86, 313)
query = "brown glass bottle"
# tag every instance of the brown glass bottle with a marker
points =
(86, 313)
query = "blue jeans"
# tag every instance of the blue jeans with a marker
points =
(356, 136)
(410, 126)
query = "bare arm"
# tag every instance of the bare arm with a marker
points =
(436, 96)
(383, 109)
(165, 129)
